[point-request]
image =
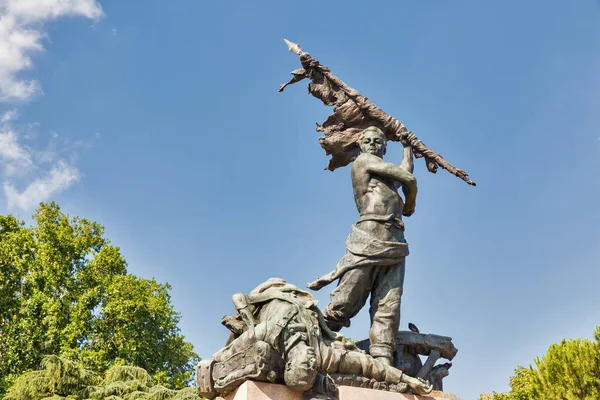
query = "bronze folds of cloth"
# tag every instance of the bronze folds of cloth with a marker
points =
(352, 114)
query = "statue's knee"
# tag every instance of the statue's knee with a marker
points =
(336, 319)
(391, 301)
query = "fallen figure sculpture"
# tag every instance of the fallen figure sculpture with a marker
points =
(279, 336)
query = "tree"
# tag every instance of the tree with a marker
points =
(60, 378)
(521, 387)
(569, 370)
(64, 290)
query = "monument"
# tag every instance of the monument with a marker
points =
(280, 336)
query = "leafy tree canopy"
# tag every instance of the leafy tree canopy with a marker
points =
(570, 370)
(60, 378)
(65, 291)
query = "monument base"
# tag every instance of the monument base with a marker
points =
(251, 390)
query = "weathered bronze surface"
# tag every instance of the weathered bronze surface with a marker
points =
(279, 335)
(374, 262)
(284, 339)
(412, 344)
(354, 112)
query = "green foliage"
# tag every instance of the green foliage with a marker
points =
(121, 373)
(521, 387)
(60, 379)
(570, 370)
(64, 290)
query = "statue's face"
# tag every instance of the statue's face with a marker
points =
(301, 369)
(373, 143)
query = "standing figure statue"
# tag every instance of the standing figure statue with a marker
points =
(376, 249)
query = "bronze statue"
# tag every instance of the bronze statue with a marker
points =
(376, 248)
(280, 336)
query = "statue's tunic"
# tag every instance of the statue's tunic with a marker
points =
(364, 250)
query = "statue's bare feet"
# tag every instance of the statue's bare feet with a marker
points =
(418, 385)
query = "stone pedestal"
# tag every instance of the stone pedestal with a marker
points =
(267, 391)
(251, 390)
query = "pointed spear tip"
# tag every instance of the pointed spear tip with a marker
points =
(293, 47)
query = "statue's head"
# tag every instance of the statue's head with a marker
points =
(300, 367)
(372, 141)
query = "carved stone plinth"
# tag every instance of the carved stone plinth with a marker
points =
(251, 390)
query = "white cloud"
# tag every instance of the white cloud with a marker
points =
(14, 158)
(9, 116)
(60, 177)
(39, 174)
(21, 34)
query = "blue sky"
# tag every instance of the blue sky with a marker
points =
(162, 121)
